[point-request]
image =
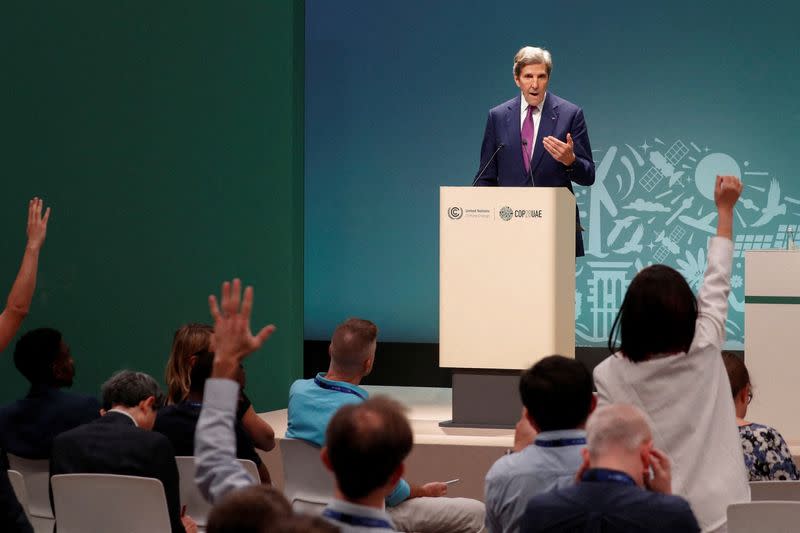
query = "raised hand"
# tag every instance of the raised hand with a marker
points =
(37, 224)
(662, 472)
(233, 338)
(563, 152)
(727, 191)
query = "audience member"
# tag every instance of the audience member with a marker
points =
(178, 421)
(312, 403)
(557, 397)
(614, 493)
(766, 454)
(254, 509)
(366, 444)
(668, 364)
(188, 341)
(19, 299)
(29, 425)
(120, 442)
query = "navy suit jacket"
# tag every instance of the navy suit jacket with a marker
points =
(596, 506)
(558, 118)
(113, 444)
(28, 426)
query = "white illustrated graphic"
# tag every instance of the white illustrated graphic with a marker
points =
(654, 203)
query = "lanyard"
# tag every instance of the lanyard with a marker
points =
(609, 476)
(337, 388)
(354, 520)
(558, 443)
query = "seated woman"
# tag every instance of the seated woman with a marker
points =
(668, 364)
(189, 340)
(766, 454)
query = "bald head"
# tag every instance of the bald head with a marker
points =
(616, 429)
(352, 345)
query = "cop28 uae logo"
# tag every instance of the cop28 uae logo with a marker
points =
(506, 213)
(455, 212)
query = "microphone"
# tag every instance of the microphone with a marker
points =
(501, 145)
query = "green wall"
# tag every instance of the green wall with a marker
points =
(168, 138)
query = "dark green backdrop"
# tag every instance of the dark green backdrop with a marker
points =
(168, 137)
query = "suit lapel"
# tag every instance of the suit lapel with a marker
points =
(546, 126)
(513, 127)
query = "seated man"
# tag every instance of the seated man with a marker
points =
(615, 492)
(178, 421)
(28, 426)
(557, 397)
(366, 445)
(120, 442)
(312, 403)
(252, 509)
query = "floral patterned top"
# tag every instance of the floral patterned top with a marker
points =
(766, 454)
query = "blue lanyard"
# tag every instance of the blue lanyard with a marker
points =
(558, 443)
(195, 405)
(608, 476)
(354, 520)
(338, 388)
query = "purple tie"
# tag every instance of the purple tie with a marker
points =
(527, 139)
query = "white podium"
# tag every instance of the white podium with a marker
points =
(771, 321)
(506, 291)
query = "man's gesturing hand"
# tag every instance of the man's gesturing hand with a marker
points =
(233, 338)
(563, 152)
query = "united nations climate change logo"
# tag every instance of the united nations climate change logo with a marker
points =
(506, 213)
(455, 213)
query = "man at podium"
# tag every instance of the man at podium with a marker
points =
(536, 139)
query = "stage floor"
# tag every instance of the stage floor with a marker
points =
(439, 454)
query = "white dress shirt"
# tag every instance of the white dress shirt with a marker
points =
(536, 115)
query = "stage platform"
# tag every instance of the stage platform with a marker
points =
(439, 454)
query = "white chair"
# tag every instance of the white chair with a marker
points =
(36, 473)
(109, 502)
(196, 506)
(307, 484)
(775, 517)
(775, 491)
(18, 484)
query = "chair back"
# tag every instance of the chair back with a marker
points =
(196, 505)
(109, 502)
(775, 517)
(18, 484)
(36, 473)
(775, 491)
(307, 484)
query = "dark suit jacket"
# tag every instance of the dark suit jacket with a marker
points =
(178, 422)
(28, 426)
(114, 445)
(593, 506)
(558, 118)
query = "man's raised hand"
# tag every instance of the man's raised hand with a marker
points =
(233, 338)
(37, 224)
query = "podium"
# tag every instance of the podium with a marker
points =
(771, 314)
(506, 293)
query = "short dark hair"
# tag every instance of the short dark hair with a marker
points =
(737, 372)
(253, 509)
(201, 370)
(366, 443)
(128, 388)
(557, 392)
(351, 343)
(657, 315)
(35, 353)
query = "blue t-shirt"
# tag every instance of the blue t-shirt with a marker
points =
(312, 404)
